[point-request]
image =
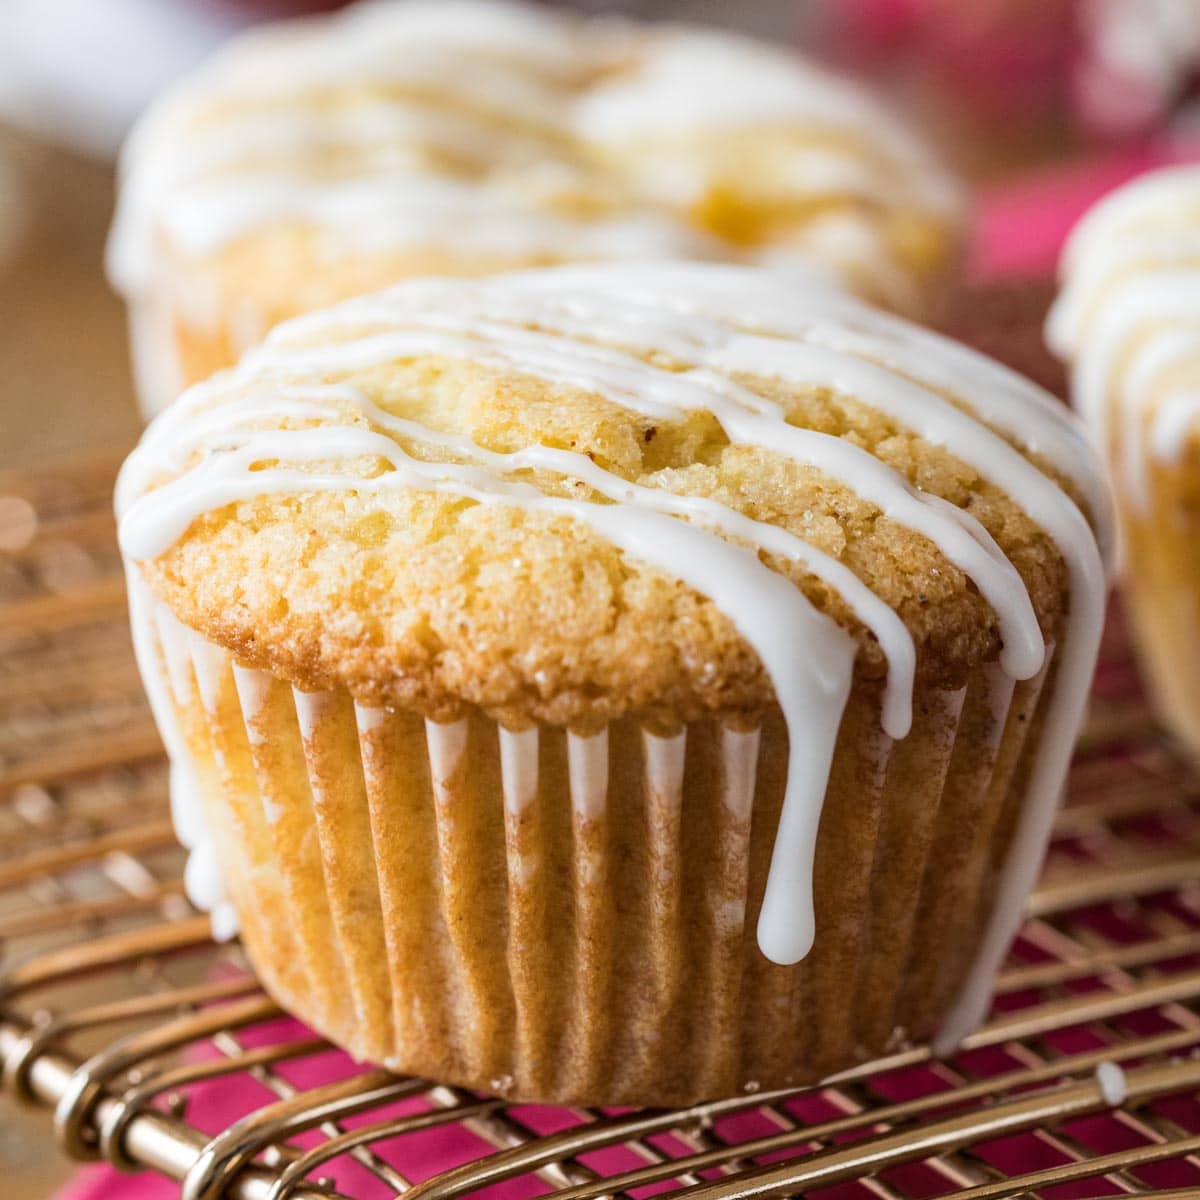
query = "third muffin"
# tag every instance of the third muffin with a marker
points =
(1128, 320)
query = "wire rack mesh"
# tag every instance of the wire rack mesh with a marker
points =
(119, 1013)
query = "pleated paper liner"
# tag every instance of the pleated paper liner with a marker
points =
(552, 917)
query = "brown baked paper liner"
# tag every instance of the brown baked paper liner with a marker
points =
(567, 919)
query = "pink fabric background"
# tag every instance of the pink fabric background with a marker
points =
(1021, 225)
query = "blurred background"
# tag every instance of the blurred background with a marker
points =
(1013, 90)
(1041, 104)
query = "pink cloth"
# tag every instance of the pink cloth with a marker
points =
(1020, 230)
(998, 57)
(1110, 68)
(1021, 225)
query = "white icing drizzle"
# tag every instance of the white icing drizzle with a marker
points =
(1128, 321)
(793, 304)
(1114, 1086)
(1174, 421)
(881, 620)
(360, 125)
(692, 314)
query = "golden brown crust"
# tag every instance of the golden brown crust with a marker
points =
(431, 602)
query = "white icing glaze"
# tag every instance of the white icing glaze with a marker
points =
(1114, 1087)
(358, 125)
(710, 319)
(405, 208)
(1128, 321)
(1175, 420)
(792, 303)
(671, 93)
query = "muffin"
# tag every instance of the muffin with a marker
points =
(1127, 320)
(619, 684)
(333, 156)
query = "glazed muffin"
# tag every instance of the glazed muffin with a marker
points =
(329, 157)
(619, 684)
(1128, 322)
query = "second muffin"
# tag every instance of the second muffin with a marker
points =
(623, 685)
(319, 159)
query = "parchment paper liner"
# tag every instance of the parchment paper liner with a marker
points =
(558, 918)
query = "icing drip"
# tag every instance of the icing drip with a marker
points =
(1113, 1084)
(1128, 321)
(493, 128)
(724, 328)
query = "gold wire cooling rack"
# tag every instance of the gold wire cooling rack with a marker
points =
(157, 1049)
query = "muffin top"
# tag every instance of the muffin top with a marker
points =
(531, 493)
(1128, 319)
(325, 157)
